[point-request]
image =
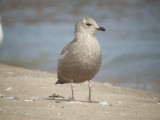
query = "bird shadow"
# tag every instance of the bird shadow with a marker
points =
(60, 99)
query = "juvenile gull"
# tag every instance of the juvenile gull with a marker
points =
(80, 60)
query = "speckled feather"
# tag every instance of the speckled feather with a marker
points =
(80, 60)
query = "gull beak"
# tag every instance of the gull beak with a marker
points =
(101, 29)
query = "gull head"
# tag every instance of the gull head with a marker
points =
(87, 25)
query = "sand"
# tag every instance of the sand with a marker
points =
(24, 94)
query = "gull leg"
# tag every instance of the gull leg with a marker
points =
(89, 86)
(72, 92)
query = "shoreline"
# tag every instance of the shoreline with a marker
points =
(24, 94)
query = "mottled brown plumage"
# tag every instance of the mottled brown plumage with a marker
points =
(80, 60)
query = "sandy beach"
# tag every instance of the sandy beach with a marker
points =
(24, 94)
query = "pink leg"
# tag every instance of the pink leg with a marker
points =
(72, 92)
(89, 86)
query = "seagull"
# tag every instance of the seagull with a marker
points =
(81, 59)
(1, 31)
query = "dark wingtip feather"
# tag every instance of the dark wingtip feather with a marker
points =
(61, 80)
(57, 82)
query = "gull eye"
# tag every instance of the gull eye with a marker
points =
(88, 24)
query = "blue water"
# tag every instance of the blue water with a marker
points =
(36, 31)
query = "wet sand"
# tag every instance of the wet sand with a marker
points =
(24, 94)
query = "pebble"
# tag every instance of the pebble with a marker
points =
(1, 96)
(103, 103)
(9, 88)
(11, 98)
(119, 102)
(28, 100)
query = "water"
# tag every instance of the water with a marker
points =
(36, 31)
